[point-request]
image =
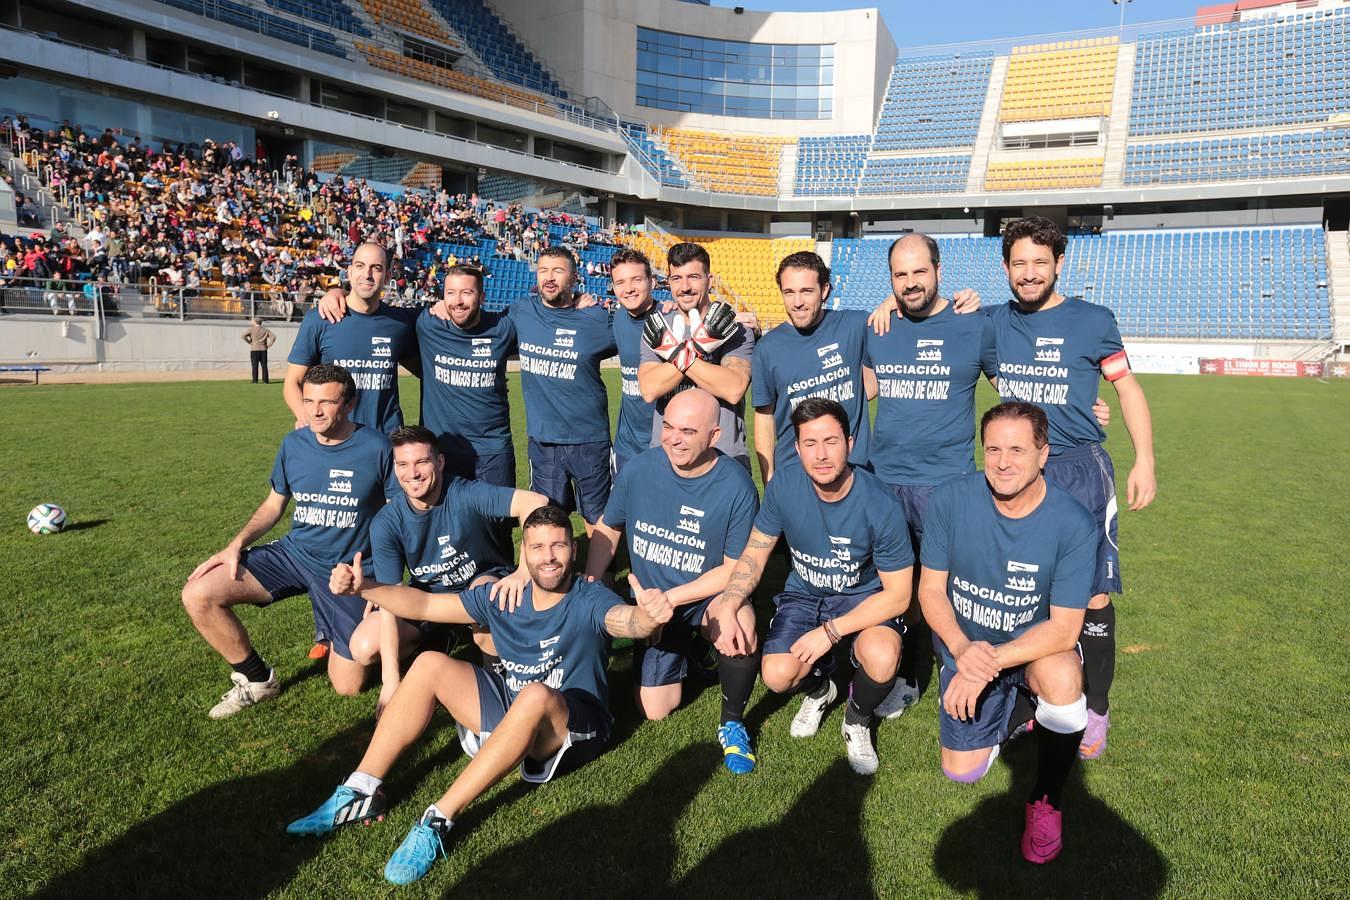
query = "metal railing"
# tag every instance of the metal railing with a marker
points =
(102, 299)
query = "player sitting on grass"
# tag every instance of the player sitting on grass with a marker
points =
(1007, 572)
(339, 474)
(545, 712)
(852, 573)
(687, 510)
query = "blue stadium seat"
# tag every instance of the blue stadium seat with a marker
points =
(1243, 158)
(830, 166)
(496, 45)
(252, 19)
(934, 102)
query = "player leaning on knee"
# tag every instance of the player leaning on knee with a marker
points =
(687, 511)
(339, 474)
(1053, 352)
(1007, 572)
(851, 578)
(544, 712)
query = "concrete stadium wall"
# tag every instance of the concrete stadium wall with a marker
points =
(591, 45)
(71, 344)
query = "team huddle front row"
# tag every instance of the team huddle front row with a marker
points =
(1006, 563)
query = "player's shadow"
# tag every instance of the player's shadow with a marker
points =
(823, 834)
(227, 840)
(621, 849)
(1104, 856)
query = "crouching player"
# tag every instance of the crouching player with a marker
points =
(546, 712)
(443, 531)
(852, 577)
(1008, 561)
(687, 510)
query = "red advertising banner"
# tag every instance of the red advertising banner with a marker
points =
(1278, 368)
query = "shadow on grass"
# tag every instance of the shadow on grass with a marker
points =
(81, 526)
(1104, 856)
(228, 839)
(624, 849)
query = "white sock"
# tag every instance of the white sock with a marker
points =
(433, 812)
(360, 781)
(1066, 719)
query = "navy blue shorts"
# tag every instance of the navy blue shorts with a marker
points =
(914, 499)
(1086, 473)
(796, 614)
(666, 660)
(494, 468)
(573, 476)
(616, 463)
(282, 576)
(588, 728)
(989, 728)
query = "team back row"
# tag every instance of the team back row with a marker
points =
(399, 530)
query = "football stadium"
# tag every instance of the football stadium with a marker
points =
(604, 251)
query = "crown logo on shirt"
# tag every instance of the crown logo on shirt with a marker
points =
(840, 547)
(1015, 566)
(340, 480)
(1016, 583)
(829, 356)
(481, 346)
(564, 337)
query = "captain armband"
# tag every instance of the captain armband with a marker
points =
(1116, 366)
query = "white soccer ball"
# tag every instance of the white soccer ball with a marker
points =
(46, 518)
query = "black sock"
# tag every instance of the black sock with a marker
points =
(815, 684)
(1023, 711)
(737, 676)
(865, 696)
(1057, 755)
(915, 649)
(491, 662)
(253, 668)
(1098, 641)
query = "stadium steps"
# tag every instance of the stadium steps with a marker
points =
(787, 170)
(1338, 272)
(984, 138)
(1118, 126)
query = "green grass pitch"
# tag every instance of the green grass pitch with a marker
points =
(1227, 773)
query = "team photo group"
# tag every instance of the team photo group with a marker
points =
(899, 554)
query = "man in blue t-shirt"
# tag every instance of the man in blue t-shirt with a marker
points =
(443, 533)
(546, 712)
(1053, 352)
(1007, 573)
(851, 576)
(566, 408)
(464, 396)
(369, 341)
(698, 344)
(631, 274)
(339, 474)
(687, 511)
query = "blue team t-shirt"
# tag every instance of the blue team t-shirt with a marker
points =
(1053, 358)
(560, 355)
(678, 528)
(464, 397)
(565, 647)
(1003, 574)
(836, 548)
(927, 370)
(790, 365)
(338, 489)
(369, 345)
(446, 547)
(633, 434)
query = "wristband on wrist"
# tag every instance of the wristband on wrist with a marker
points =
(832, 632)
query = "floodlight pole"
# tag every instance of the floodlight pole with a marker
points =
(1122, 4)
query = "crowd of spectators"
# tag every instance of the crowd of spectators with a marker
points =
(198, 220)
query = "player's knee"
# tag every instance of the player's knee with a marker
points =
(196, 600)
(346, 686)
(1058, 679)
(364, 649)
(534, 697)
(878, 650)
(780, 675)
(967, 768)
(656, 706)
(427, 667)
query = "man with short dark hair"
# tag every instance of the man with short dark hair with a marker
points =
(686, 510)
(339, 474)
(1053, 352)
(545, 713)
(699, 344)
(1007, 573)
(851, 578)
(631, 277)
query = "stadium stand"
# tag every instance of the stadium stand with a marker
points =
(731, 163)
(1222, 284)
(1064, 80)
(421, 70)
(933, 102)
(1240, 158)
(830, 166)
(1044, 174)
(251, 19)
(409, 16)
(497, 45)
(653, 157)
(916, 174)
(332, 13)
(1255, 74)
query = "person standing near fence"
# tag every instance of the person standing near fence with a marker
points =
(258, 339)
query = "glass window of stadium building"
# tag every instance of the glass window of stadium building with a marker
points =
(690, 73)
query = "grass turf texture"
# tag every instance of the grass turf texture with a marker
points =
(1226, 774)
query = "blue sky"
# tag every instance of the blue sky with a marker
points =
(918, 23)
